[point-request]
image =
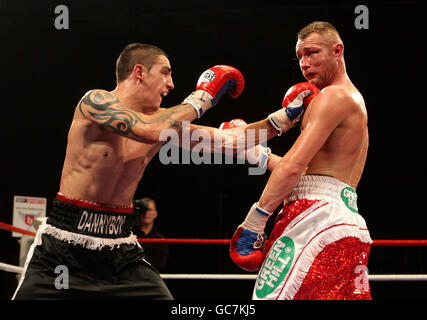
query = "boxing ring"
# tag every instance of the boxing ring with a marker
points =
(184, 276)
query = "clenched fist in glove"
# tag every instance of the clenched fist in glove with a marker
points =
(296, 100)
(212, 85)
(247, 244)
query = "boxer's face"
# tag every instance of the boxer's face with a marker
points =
(317, 63)
(158, 81)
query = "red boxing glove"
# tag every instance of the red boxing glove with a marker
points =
(246, 249)
(213, 84)
(247, 244)
(232, 124)
(220, 79)
(296, 100)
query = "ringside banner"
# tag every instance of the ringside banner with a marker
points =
(25, 210)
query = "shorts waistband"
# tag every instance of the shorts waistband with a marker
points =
(318, 187)
(92, 220)
(88, 242)
(94, 205)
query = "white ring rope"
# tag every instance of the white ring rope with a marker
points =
(188, 276)
(371, 277)
(10, 268)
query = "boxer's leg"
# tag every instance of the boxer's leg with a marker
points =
(38, 279)
(138, 280)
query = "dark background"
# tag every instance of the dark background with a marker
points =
(45, 71)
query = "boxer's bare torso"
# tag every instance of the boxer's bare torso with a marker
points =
(334, 136)
(343, 155)
(333, 142)
(114, 135)
(102, 166)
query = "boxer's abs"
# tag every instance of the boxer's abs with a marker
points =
(103, 167)
(113, 187)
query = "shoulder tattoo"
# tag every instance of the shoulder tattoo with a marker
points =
(105, 108)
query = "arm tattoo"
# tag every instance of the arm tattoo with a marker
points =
(105, 107)
(166, 116)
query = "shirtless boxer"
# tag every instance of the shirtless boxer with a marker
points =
(112, 138)
(319, 246)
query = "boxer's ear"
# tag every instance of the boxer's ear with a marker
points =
(338, 50)
(139, 72)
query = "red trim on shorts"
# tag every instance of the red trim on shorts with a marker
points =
(94, 206)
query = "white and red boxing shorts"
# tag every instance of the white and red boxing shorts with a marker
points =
(319, 246)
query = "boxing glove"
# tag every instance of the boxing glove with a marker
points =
(247, 244)
(232, 124)
(296, 100)
(257, 155)
(213, 84)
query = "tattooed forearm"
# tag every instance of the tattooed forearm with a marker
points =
(167, 114)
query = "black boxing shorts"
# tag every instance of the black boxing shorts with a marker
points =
(87, 251)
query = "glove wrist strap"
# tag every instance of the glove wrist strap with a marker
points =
(200, 100)
(280, 121)
(256, 219)
(257, 155)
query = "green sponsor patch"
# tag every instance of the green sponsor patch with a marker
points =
(276, 266)
(349, 197)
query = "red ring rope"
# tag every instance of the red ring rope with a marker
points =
(194, 241)
(400, 243)
(8, 227)
(383, 243)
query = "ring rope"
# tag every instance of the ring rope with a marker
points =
(383, 243)
(371, 277)
(190, 241)
(188, 276)
(11, 268)
(9, 227)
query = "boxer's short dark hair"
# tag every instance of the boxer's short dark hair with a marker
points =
(318, 27)
(136, 53)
